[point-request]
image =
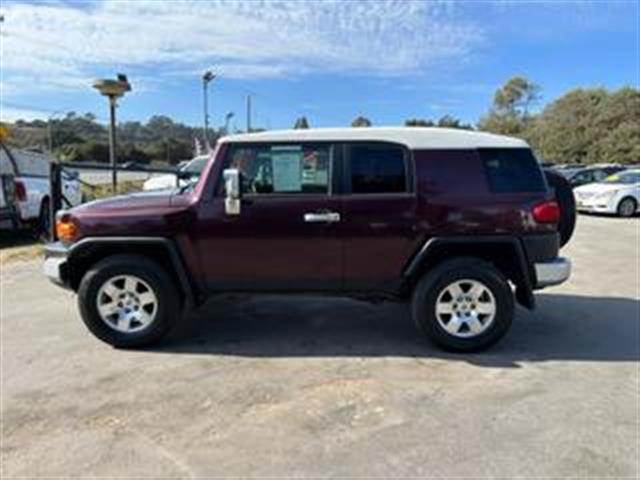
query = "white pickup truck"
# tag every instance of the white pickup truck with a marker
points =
(25, 196)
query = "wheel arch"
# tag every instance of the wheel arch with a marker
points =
(506, 253)
(88, 251)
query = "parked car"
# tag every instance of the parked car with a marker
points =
(25, 197)
(188, 172)
(568, 170)
(592, 175)
(447, 219)
(618, 194)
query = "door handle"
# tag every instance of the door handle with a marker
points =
(322, 217)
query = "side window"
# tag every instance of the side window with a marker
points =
(377, 169)
(599, 175)
(287, 168)
(511, 170)
(584, 177)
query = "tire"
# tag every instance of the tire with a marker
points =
(43, 229)
(566, 200)
(627, 207)
(432, 290)
(105, 277)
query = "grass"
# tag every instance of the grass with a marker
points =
(19, 245)
(21, 253)
(95, 192)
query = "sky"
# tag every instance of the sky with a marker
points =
(327, 60)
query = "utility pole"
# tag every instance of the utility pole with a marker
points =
(249, 113)
(206, 78)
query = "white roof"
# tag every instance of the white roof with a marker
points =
(415, 138)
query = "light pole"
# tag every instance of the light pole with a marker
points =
(206, 79)
(113, 89)
(227, 117)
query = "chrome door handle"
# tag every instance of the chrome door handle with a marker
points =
(324, 217)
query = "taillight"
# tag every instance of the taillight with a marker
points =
(547, 212)
(20, 191)
(66, 230)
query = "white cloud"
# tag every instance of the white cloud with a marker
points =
(61, 46)
(10, 114)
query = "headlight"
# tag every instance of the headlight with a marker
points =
(606, 196)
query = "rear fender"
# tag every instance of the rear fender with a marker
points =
(504, 251)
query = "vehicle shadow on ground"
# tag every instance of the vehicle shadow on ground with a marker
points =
(564, 327)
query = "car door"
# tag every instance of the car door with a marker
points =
(379, 215)
(285, 237)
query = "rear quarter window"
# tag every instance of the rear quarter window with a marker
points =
(512, 170)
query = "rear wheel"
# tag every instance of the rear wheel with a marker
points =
(627, 207)
(464, 305)
(43, 229)
(128, 301)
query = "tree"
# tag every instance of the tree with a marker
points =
(588, 126)
(509, 113)
(418, 122)
(301, 123)
(516, 96)
(361, 121)
(447, 121)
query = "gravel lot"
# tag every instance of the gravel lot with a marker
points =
(318, 387)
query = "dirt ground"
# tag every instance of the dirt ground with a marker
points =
(275, 386)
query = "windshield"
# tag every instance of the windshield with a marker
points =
(196, 165)
(624, 178)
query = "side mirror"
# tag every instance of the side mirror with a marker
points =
(232, 188)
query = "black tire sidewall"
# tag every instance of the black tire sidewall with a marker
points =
(44, 219)
(167, 313)
(430, 287)
(567, 202)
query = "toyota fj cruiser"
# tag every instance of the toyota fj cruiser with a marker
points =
(457, 222)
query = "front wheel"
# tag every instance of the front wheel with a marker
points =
(128, 301)
(627, 207)
(463, 305)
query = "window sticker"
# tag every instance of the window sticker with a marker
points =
(287, 169)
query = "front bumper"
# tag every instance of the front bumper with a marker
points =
(593, 205)
(56, 264)
(552, 272)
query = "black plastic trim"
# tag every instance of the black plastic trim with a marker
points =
(541, 247)
(524, 284)
(86, 244)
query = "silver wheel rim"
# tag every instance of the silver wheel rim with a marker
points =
(465, 308)
(627, 208)
(127, 303)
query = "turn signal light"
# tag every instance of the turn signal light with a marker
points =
(547, 212)
(66, 230)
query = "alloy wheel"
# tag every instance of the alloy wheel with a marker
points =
(127, 303)
(465, 308)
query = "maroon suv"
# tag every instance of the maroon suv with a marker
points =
(457, 222)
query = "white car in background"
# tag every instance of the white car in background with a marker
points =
(618, 194)
(169, 181)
